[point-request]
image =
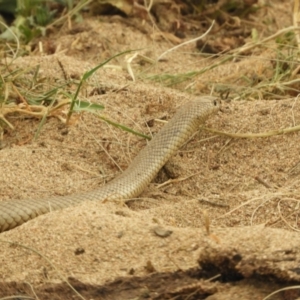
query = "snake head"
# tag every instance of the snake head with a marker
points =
(208, 105)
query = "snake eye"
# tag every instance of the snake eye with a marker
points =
(215, 102)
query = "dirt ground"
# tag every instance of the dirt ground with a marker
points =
(231, 217)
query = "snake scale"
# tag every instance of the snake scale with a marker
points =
(133, 180)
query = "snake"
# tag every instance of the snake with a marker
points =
(130, 183)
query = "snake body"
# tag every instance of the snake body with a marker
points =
(133, 180)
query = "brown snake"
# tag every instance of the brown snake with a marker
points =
(134, 179)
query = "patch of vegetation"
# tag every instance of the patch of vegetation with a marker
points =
(27, 92)
(32, 18)
(277, 78)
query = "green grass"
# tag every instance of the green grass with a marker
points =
(27, 92)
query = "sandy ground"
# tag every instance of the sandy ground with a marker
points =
(232, 195)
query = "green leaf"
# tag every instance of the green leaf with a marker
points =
(85, 76)
(87, 106)
(117, 125)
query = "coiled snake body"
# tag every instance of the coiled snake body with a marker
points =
(133, 180)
